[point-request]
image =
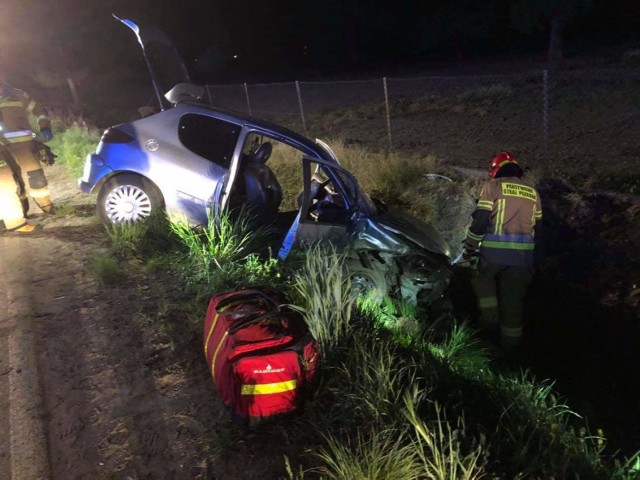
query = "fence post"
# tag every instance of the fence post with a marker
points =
(246, 95)
(386, 103)
(208, 94)
(304, 123)
(545, 114)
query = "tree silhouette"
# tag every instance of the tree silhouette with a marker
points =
(550, 16)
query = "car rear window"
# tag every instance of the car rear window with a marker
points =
(209, 137)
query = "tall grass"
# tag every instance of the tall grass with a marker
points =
(325, 296)
(377, 384)
(377, 455)
(224, 240)
(439, 448)
(387, 177)
(127, 237)
(461, 351)
(229, 253)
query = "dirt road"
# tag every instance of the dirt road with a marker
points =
(84, 391)
(104, 381)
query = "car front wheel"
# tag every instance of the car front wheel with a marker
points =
(128, 198)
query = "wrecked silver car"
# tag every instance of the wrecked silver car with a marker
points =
(191, 159)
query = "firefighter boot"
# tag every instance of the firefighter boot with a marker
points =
(26, 229)
(33, 176)
(11, 212)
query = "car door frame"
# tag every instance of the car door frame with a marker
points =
(306, 231)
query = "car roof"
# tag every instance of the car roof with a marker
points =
(268, 128)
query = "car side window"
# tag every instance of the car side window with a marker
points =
(209, 137)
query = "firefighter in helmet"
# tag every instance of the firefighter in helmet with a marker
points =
(17, 154)
(502, 234)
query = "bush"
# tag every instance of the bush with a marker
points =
(72, 145)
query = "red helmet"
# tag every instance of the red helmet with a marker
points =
(499, 161)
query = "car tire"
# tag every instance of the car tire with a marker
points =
(128, 198)
(364, 280)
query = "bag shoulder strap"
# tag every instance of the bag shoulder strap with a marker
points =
(245, 296)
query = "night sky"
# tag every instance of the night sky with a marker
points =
(43, 44)
(262, 39)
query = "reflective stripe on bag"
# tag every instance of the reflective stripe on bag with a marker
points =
(268, 388)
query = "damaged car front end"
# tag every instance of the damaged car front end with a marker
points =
(411, 256)
(387, 252)
(193, 159)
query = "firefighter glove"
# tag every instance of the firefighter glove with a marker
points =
(469, 255)
(47, 134)
(44, 153)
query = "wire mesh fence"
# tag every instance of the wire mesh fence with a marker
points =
(580, 116)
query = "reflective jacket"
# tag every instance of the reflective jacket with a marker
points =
(504, 221)
(15, 108)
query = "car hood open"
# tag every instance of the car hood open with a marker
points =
(165, 65)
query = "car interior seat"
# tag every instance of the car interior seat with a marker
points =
(264, 194)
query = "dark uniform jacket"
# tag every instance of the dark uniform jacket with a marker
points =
(504, 221)
(15, 108)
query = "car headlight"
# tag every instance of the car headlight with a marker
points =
(113, 135)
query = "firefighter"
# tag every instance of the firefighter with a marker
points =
(17, 145)
(12, 215)
(502, 235)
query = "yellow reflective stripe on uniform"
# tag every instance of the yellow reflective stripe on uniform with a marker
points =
(500, 215)
(39, 193)
(538, 214)
(11, 103)
(485, 205)
(267, 388)
(508, 245)
(473, 236)
(488, 302)
(17, 133)
(25, 138)
(511, 331)
(31, 106)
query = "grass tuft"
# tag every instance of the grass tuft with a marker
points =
(377, 455)
(106, 269)
(440, 450)
(461, 351)
(325, 296)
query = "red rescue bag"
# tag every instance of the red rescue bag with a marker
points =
(263, 359)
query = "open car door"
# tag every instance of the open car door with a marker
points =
(328, 202)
